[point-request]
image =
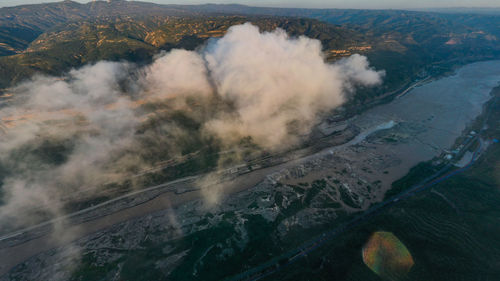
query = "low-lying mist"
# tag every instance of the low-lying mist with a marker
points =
(62, 137)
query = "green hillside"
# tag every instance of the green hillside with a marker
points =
(50, 38)
(139, 38)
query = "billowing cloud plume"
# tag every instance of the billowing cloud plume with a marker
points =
(277, 84)
(106, 122)
(179, 73)
(60, 134)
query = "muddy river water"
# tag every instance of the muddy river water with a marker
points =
(444, 107)
(429, 118)
(415, 127)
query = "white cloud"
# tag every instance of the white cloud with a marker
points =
(262, 85)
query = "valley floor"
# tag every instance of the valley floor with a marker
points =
(173, 232)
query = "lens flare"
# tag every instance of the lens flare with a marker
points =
(387, 256)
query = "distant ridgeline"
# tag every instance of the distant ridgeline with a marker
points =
(52, 38)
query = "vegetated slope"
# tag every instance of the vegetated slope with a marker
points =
(138, 38)
(403, 42)
(408, 42)
(22, 24)
(50, 38)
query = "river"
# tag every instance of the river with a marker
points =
(430, 117)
